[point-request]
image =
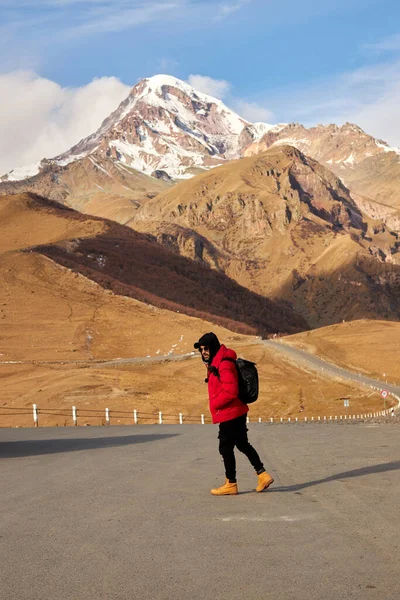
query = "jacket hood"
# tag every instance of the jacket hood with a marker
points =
(223, 352)
(210, 340)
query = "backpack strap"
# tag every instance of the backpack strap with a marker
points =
(229, 359)
(215, 371)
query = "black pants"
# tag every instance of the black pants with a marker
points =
(234, 433)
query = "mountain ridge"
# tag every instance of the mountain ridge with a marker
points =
(132, 264)
(165, 130)
(283, 226)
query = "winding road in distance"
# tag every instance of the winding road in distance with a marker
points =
(318, 364)
(300, 357)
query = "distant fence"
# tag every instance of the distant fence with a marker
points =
(135, 417)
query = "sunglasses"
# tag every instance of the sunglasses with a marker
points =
(204, 349)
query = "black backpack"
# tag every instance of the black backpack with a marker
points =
(248, 379)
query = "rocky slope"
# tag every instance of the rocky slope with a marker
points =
(129, 264)
(166, 130)
(278, 223)
(341, 344)
(283, 226)
(366, 165)
(105, 189)
(165, 126)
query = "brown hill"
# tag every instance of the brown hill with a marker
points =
(131, 265)
(107, 189)
(51, 313)
(170, 387)
(166, 130)
(48, 312)
(284, 226)
(366, 165)
(369, 347)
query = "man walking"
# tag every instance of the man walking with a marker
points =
(230, 412)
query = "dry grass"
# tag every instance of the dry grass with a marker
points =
(50, 313)
(124, 262)
(169, 387)
(366, 346)
(285, 227)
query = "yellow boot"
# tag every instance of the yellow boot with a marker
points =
(228, 489)
(264, 481)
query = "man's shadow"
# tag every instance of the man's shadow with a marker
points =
(18, 449)
(382, 468)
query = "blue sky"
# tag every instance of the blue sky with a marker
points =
(309, 61)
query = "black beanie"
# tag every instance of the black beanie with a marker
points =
(210, 340)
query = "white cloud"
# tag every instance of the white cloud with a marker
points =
(40, 119)
(168, 65)
(67, 19)
(64, 20)
(390, 44)
(226, 9)
(60, 20)
(381, 118)
(368, 97)
(218, 88)
(113, 18)
(252, 111)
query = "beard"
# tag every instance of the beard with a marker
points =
(205, 360)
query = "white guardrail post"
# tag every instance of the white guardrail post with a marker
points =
(35, 416)
(388, 412)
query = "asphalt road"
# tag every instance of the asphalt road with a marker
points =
(300, 357)
(331, 370)
(92, 362)
(125, 513)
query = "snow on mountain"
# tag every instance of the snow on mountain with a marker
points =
(367, 166)
(260, 129)
(166, 125)
(166, 129)
(153, 93)
(346, 146)
(24, 172)
(386, 147)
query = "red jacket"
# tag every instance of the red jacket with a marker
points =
(223, 390)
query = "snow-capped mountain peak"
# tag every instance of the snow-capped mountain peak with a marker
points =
(167, 129)
(166, 125)
(160, 91)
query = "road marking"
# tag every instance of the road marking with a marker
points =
(284, 518)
